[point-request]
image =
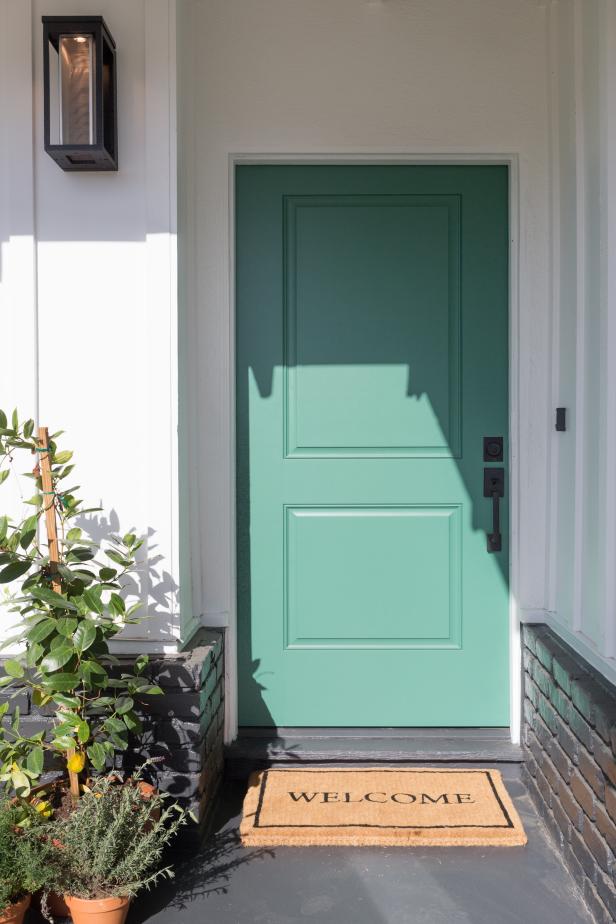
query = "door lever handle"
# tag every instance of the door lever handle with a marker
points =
(494, 487)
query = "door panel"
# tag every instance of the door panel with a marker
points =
(351, 264)
(372, 359)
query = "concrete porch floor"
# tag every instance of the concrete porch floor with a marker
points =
(228, 884)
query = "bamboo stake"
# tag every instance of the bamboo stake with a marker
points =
(49, 505)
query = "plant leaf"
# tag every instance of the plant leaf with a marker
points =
(21, 783)
(64, 742)
(92, 600)
(67, 625)
(46, 595)
(63, 683)
(124, 704)
(69, 702)
(57, 658)
(14, 669)
(14, 571)
(34, 761)
(41, 630)
(83, 732)
(85, 635)
(96, 753)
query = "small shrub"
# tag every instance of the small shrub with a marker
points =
(112, 843)
(23, 854)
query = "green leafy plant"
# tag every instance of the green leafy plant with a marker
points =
(23, 855)
(67, 609)
(112, 844)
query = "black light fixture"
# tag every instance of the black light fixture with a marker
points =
(81, 131)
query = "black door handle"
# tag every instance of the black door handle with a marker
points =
(494, 487)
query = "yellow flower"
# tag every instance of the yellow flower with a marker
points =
(76, 763)
(44, 808)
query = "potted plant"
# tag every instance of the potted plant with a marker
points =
(68, 600)
(110, 848)
(22, 861)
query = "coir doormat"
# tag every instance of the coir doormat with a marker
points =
(378, 806)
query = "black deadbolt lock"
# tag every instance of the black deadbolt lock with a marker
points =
(492, 449)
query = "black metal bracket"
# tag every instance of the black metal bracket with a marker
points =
(561, 419)
(494, 487)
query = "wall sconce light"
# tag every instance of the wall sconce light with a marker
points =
(81, 130)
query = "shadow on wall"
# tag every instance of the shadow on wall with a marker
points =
(151, 584)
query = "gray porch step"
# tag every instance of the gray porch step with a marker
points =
(255, 748)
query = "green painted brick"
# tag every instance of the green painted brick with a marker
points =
(565, 670)
(541, 677)
(545, 648)
(561, 702)
(531, 690)
(583, 692)
(206, 665)
(530, 638)
(581, 729)
(209, 686)
(548, 714)
(605, 717)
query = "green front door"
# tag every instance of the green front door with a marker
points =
(372, 360)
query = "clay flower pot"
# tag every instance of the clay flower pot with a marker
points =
(57, 906)
(14, 914)
(98, 910)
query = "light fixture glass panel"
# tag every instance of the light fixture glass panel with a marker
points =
(77, 116)
(55, 118)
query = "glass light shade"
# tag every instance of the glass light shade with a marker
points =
(76, 83)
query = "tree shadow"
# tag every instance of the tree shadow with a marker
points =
(150, 583)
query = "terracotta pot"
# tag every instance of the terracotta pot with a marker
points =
(97, 910)
(14, 914)
(57, 906)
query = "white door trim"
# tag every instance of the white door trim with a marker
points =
(511, 160)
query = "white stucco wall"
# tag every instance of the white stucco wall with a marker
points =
(582, 596)
(87, 284)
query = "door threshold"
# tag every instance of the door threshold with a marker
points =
(310, 731)
(256, 748)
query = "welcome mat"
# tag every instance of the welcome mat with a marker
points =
(379, 806)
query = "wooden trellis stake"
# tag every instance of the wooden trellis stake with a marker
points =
(51, 523)
(49, 506)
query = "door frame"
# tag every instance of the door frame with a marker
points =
(452, 158)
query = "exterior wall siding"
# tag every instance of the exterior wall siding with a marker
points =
(570, 769)
(182, 730)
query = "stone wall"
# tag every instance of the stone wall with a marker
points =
(183, 729)
(570, 768)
